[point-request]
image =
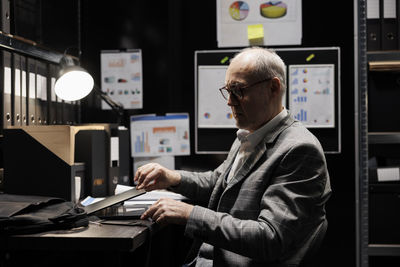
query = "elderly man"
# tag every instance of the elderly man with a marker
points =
(265, 203)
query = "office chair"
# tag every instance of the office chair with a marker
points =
(309, 259)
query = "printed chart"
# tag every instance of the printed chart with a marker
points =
(213, 110)
(122, 78)
(311, 94)
(160, 135)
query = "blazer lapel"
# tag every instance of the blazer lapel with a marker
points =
(218, 188)
(260, 149)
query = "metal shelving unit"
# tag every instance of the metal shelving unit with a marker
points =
(364, 63)
(361, 132)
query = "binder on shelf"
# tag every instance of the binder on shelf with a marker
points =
(7, 87)
(124, 156)
(5, 16)
(389, 23)
(41, 92)
(77, 110)
(373, 25)
(24, 99)
(60, 110)
(51, 80)
(31, 85)
(68, 112)
(16, 81)
(92, 147)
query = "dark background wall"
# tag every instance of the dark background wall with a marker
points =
(169, 36)
(168, 33)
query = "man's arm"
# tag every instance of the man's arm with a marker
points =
(290, 208)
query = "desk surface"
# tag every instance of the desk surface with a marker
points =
(95, 237)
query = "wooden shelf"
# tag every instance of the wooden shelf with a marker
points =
(392, 65)
(384, 249)
(384, 138)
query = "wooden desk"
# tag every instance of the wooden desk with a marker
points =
(94, 237)
(97, 245)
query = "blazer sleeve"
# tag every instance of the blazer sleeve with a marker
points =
(291, 207)
(198, 186)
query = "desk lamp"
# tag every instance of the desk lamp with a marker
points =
(74, 83)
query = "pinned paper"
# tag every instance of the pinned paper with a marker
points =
(388, 174)
(255, 34)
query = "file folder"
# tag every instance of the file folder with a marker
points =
(373, 25)
(124, 157)
(41, 92)
(113, 200)
(31, 85)
(5, 16)
(68, 112)
(389, 24)
(16, 81)
(51, 80)
(24, 99)
(92, 147)
(7, 87)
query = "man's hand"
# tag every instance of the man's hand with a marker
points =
(167, 210)
(154, 176)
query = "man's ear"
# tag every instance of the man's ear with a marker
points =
(275, 86)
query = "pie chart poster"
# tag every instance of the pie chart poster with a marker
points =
(280, 21)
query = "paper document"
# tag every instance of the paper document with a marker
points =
(150, 196)
(145, 199)
(276, 22)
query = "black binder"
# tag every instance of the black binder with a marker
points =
(93, 148)
(51, 78)
(68, 112)
(373, 34)
(7, 88)
(373, 26)
(24, 99)
(41, 91)
(124, 157)
(389, 24)
(31, 85)
(5, 16)
(112, 200)
(16, 85)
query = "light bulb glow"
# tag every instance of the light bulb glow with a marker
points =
(74, 85)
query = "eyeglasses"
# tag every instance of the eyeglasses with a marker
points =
(237, 90)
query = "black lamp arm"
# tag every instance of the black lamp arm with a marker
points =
(116, 107)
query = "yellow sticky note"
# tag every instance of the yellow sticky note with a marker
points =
(310, 57)
(255, 34)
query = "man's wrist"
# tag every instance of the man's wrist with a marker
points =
(175, 178)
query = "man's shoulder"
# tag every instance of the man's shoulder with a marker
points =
(297, 134)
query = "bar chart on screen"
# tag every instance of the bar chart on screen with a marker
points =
(142, 143)
(153, 135)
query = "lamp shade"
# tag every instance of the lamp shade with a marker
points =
(74, 82)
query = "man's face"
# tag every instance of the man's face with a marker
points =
(259, 102)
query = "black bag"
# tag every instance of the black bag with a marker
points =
(23, 214)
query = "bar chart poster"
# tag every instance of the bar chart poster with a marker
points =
(122, 78)
(153, 135)
(312, 94)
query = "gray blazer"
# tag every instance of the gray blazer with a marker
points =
(270, 210)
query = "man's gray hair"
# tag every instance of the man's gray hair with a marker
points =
(267, 64)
